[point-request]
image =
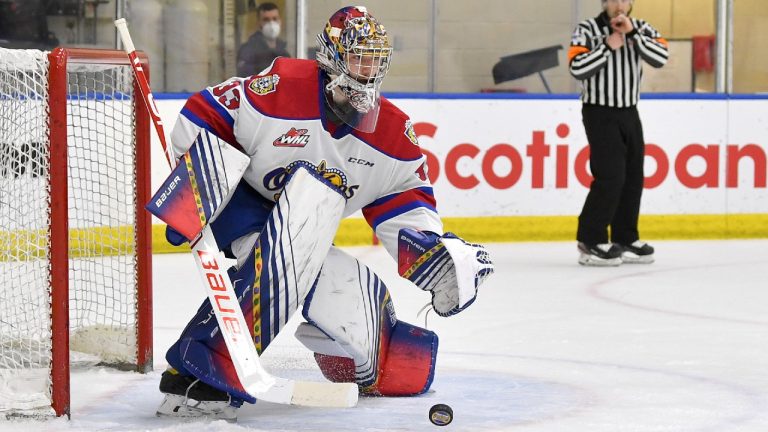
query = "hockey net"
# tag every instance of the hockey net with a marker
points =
(74, 239)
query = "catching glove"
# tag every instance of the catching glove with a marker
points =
(447, 266)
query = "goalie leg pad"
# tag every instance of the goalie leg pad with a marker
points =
(201, 350)
(407, 365)
(352, 307)
(352, 324)
(271, 284)
(213, 366)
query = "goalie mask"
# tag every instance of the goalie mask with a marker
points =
(355, 52)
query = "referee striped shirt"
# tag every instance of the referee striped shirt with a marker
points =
(612, 77)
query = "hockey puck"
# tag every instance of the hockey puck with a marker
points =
(440, 415)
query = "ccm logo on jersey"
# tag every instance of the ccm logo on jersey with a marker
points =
(264, 85)
(293, 138)
(360, 162)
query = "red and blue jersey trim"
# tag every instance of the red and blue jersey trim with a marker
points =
(394, 205)
(300, 95)
(397, 151)
(389, 137)
(202, 110)
(219, 109)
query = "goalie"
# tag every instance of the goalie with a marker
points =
(328, 117)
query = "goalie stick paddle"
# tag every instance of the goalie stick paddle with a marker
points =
(254, 378)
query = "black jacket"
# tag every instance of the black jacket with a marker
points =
(255, 55)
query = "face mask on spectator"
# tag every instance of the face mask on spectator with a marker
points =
(271, 30)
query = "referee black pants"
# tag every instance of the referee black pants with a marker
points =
(617, 150)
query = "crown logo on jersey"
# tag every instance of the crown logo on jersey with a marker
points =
(410, 133)
(293, 138)
(264, 85)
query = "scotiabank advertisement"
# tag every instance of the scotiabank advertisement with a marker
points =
(529, 157)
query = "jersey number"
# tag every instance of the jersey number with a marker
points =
(228, 94)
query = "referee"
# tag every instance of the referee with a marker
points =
(606, 55)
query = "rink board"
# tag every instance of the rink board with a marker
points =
(515, 168)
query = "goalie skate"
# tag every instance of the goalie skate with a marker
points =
(188, 397)
(179, 406)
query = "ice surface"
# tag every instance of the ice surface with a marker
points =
(679, 345)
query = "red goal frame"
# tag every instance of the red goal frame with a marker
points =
(58, 60)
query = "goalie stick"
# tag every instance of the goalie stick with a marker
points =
(252, 375)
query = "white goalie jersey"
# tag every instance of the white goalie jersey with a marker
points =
(278, 120)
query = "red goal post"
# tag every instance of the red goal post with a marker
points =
(74, 225)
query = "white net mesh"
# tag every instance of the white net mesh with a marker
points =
(101, 204)
(100, 136)
(25, 327)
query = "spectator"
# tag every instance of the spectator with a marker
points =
(257, 53)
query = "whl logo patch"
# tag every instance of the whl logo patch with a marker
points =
(293, 138)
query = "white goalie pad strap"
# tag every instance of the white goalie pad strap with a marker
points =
(465, 266)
